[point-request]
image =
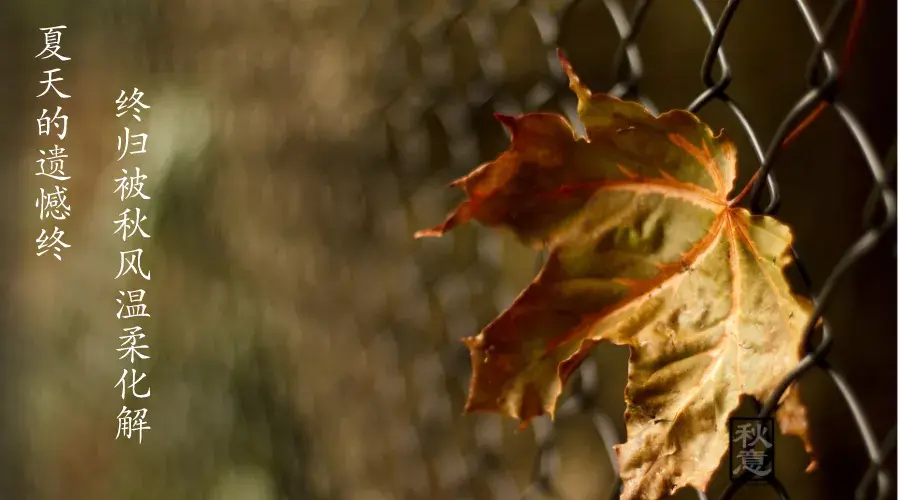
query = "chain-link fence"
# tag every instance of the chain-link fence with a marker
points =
(304, 345)
(487, 90)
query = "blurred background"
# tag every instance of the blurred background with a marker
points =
(303, 345)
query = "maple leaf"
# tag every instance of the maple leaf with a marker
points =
(645, 250)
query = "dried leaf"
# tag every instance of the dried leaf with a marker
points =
(644, 251)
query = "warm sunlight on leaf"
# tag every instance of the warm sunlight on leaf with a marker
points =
(646, 251)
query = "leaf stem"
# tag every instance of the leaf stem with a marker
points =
(849, 45)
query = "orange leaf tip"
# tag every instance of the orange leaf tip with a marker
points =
(428, 233)
(507, 120)
(562, 57)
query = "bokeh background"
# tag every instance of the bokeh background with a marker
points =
(303, 345)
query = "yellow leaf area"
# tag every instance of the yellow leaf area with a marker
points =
(644, 251)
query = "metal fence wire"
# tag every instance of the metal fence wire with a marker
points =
(484, 95)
